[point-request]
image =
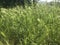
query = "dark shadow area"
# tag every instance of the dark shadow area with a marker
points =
(13, 3)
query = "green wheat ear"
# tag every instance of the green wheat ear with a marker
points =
(2, 33)
(6, 41)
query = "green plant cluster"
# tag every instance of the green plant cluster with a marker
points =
(39, 25)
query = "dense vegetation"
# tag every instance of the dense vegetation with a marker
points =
(39, 25)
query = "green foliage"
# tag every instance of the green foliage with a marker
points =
(39, 25)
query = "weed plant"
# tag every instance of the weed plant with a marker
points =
(39, 25)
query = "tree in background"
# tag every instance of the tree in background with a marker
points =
(7, 3)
